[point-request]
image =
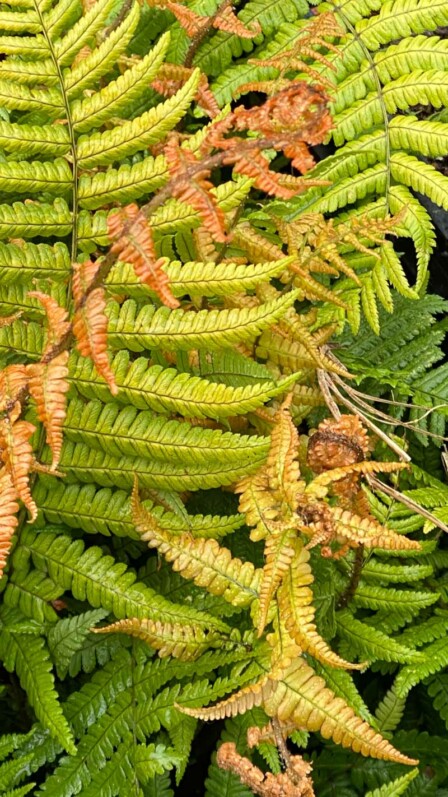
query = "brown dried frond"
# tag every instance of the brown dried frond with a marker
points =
(8, 516)
(90, 320)
(132, 242)
(294, 782)
(256, 736)
(338, 443)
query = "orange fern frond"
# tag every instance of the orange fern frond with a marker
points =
(298, 108)
(279, 552)
(48, 385)
(227, 21)
(8, 516)
(132, 242)
(17, 455)
(57, 317)
(171, 77)
(256, 166)
(191, 22)
(90, 320)
(191, 185)
(13, 380)
(282, 467)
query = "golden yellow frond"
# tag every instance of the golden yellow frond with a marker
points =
(181, 640)
(303, 697)
(295, 600)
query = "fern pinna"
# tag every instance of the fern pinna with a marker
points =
(155, 312)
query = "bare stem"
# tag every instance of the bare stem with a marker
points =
(349, 593)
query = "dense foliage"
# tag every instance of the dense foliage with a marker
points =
(222, 399)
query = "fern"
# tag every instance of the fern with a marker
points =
(155, 309)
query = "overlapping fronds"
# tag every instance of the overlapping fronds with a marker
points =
(190, 280)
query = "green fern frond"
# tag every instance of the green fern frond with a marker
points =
(20, 220)
(34, 139)
(118, 431)
(108, 512)
(372, 642)
(395, 788)
(29, 657)
(407, 603)
(67, 636)
(87, 464)
(115, 98)
(390, 711)
(166, 390)
(100, 149)
(181, 330)
(103, 582)
(122, 185)
(436, 659)
(201, 279)
(32, 595)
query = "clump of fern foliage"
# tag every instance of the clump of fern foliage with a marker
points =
(198, 325)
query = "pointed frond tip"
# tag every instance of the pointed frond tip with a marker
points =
(300, 696)
(181, 640)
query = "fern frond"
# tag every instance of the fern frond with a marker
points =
(185, 642)
(126, 431)
(390, 711)
(183, 330)
(29, 657)
(103, 582)
(103, 511)
(89, 70)
(406, 603)
(67, 635)
(372, 642)
(295, 598)
(48, 385)
(204, 561)
(119, 94)
(8, 520)
(397, 787)
(165, 390)
(90, 321)
(410, 675)
(301, 697)
(100, 149)
(201, 279)
(124, 184)
(20, 220)
(31, 260)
